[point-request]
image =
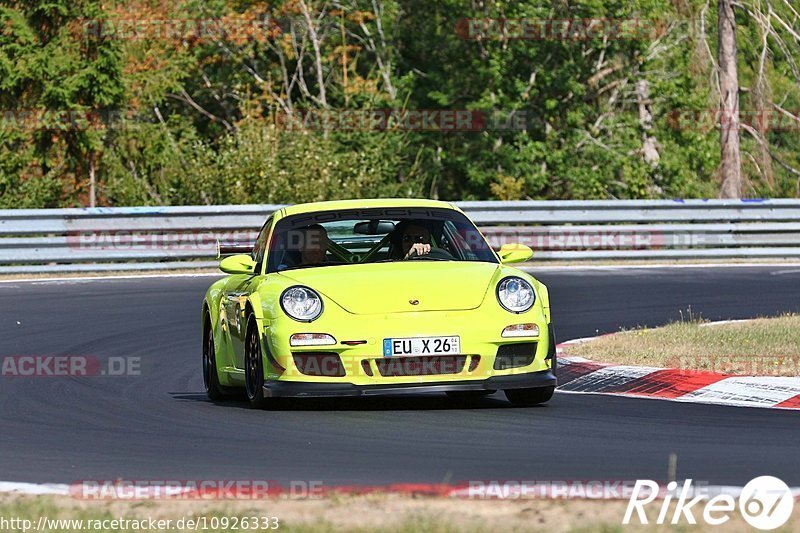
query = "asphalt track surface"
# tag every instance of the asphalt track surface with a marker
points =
(160, 426)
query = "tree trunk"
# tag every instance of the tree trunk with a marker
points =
(316, 44)
(92, 182)
(649, 143)
(731, 163)
(763, 97)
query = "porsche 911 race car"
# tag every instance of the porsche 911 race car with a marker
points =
(363, 297)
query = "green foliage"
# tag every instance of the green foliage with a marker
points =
(50, 69)
(204, 114)
(259, 163)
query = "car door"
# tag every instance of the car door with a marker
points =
(235, 295)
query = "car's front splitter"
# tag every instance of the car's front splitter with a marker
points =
(300, 389)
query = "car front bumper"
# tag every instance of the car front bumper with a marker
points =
(300, 389)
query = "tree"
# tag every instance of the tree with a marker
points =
(70, 81)
(730, 156)
(219, 116)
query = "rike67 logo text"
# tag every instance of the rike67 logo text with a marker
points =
(765, 503)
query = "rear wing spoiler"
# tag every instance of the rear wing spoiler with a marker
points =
(233, 248)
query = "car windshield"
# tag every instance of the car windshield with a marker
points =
(379, 235)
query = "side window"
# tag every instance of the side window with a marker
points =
(260, 247)
(456, 244)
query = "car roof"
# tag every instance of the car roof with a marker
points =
(365, 203)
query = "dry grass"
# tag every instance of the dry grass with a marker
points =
(400, 514)
(764, 346)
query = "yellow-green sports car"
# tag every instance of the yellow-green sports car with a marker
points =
(369, 297)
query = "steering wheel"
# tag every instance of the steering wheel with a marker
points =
(435, 253)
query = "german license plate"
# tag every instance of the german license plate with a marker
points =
(405, 346)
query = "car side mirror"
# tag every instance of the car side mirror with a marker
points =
(238, 264)
(514, 253)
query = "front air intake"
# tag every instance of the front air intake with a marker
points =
(514, 355)
(421, 366)
(327, 364)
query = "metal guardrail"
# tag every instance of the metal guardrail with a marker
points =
(153, 238)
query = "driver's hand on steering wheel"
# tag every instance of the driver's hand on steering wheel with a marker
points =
(418, 248)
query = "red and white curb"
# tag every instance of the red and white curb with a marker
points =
(580, 375)
(501, 490)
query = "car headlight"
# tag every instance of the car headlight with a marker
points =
(515, 294)
(301, 303)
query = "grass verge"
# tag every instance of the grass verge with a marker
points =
(378, 512)
(760, 347)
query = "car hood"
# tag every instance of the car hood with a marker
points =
(380, 288)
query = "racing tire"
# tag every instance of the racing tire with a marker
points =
(254, 367)
(529, 397)
(214, 390)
